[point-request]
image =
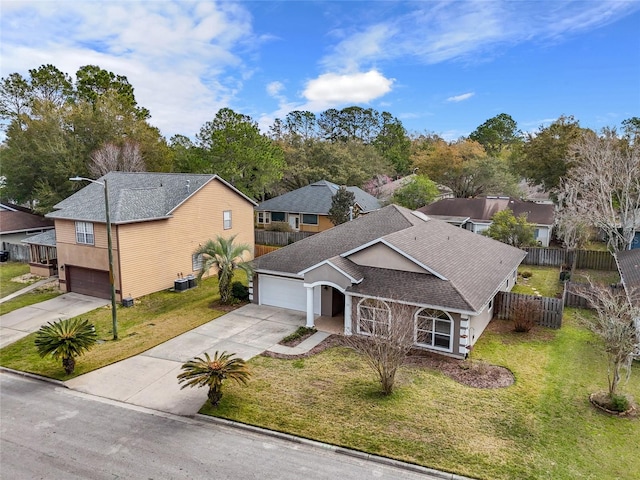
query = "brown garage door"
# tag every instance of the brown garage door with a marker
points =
(89, 282)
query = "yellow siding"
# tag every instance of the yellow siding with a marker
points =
(153, 253)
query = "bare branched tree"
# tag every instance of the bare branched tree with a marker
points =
(111, 158)
(385, 336)
(574, 230)
(603, 186)
(525, 313)
(615, 324)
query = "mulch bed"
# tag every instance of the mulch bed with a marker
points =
(471, 373)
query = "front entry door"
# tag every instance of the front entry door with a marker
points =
(294, 222)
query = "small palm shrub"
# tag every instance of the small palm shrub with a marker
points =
(66, 339)
(201, 372)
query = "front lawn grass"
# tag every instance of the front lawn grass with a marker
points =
(29, 298)
(541, 427)
(11, 270)
(153, 319)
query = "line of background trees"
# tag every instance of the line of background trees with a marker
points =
(57, 126)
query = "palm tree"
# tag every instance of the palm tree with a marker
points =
(225, 257)
(66, 339)
(205, 371)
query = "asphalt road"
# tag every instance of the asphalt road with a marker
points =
(50, 432)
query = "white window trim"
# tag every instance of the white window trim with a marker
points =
(227, 223)
(196, 262)
(374, 321)
(266, 218)
(433, 319)
(84, 233)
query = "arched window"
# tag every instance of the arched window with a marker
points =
(434, 329)
(373, 317)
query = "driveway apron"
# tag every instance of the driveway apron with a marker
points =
(20, 323)
(149, 379)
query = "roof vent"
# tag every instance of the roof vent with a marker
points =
(188, 186)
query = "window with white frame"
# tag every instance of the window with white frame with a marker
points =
(84, 233)
(309, 219)
(196, 262)
(373, 317)
(434, 329)
(226, 219)
(263, 217)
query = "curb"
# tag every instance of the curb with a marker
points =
(33, 376)
(390, 462)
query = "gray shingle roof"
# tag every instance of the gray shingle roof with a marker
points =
(316, 198)
(47, 238)
(134, 196)
(473, 266)
(312, 250)
(629, 268)
(483, 208)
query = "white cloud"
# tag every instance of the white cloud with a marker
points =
(461, 98)
(274, 88)
(332, 89)
(183, 59)
(439, 31)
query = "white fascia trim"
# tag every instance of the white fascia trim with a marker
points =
(397, 250)
(421, 305)
(327, 262)
(495, 292)
(279, 274)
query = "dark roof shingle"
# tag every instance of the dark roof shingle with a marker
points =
(134, 196)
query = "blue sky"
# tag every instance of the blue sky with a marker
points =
(439, 66)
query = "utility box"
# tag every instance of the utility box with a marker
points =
(191, 281)
(127, 302)
(4, 256)
(181, 284)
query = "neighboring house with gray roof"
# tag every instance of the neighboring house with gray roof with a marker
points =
(629, 267)
(158, 220)
(18, 223)
(449, 275)
(475, 214)
(306, 208)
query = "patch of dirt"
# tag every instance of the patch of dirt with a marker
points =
(473, 374)
(222, 307)
(600, 400)
(26, 278)
(505, 329)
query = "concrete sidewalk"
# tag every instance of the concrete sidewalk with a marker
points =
(149, 379)
(27, 289)
(20, 323)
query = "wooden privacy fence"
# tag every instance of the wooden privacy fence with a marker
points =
(17, 253)
(554, 257)
(550, 308)
(263, 250)
(267, 237)
(572, 299)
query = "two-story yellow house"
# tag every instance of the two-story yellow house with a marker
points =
(158, 220)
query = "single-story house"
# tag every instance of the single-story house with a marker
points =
(361, 268)
(475, 214)
(158, 220)
(306, 208)
(629, 268)
(386, 191)
(19, 223)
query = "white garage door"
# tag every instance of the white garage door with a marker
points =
(286, 293)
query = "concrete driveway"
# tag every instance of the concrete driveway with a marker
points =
(149, 379)
(20, 323)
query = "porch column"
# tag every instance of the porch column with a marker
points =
(347, 314)
(310, 323)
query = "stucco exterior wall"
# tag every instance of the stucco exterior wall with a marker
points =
(87, 256)
(381, 256)
(154, 253)
(326, 273)
(455, 317)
